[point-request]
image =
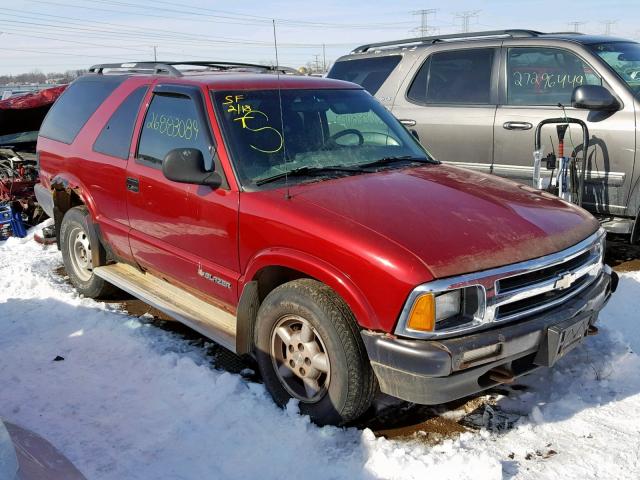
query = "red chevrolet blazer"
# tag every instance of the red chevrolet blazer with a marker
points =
(295, 220)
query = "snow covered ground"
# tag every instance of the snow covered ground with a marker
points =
(132, 401)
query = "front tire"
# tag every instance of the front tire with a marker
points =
(78, 243)
(308, 347)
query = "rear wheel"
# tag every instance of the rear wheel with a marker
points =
(309, 348)
(78, 243)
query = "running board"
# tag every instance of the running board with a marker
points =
(210, 321)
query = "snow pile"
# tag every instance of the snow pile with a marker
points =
(132, 401)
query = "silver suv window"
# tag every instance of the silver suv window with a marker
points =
(624, 59)
(370, 73)
(545, 76)
(454, 77)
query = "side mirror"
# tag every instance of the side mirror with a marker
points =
(594, 97)
(186, 165)
(415, 134)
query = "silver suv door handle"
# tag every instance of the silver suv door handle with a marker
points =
(517, 126)
(407, 122)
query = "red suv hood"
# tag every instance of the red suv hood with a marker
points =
(454, 220)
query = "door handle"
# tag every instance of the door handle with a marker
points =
(517, 126)
(133, 185)
(408, 122)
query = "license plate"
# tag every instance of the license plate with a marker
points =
(561, 339)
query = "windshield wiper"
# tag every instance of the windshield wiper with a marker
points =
(304, 171)
(389, 160)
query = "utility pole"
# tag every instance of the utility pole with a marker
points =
(317, 62)
(324, 59)
(465, 17)
(607, 26)
(576, 26)
(155, 53)
(424, 29)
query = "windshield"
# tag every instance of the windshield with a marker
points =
(624, 59)
(330, 132)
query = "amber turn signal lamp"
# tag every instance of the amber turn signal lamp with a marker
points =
(423, 314)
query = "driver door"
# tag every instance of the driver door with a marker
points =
(184, 233)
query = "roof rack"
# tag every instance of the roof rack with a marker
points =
(452, 36)
(169, 68)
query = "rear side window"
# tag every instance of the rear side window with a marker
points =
(76, 105)
(172, 121)
(115, 138)
(457, 77)
(370, 73)
(545, 76)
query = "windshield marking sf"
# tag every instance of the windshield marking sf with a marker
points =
(246, 112)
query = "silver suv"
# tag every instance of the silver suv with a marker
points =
(475, 100)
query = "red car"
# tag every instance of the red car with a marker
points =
(294, 219)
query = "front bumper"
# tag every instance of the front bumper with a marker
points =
(438, 371)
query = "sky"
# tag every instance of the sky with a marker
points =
(59, 35)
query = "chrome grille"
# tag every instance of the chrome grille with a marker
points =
(519, 290)
(547, 284)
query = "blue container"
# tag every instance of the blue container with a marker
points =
(13, 219)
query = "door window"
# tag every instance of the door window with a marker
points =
(456, 77)
(545, 76)
(172, 121)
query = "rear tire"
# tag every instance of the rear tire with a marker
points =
(78, 241)
(308, 347)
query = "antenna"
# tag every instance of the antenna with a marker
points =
(284, 142)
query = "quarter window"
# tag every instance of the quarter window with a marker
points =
(545, 76)
(370, 73)
(115, 138)
(172, 121)
(456, 77)
(76, 105)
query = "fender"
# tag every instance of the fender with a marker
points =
(65, 182)
(321, 271)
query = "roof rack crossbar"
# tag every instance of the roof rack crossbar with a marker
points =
(169, 68)
(438, 38)
(157, 68)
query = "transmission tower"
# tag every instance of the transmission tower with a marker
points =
(424, 29)
(607, 26)
(576, 26)
(465, 18)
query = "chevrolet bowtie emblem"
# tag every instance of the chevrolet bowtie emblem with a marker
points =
(565, 281)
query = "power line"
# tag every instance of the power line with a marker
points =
(238, 19)
(424, 29)
(576, 25)
(465, 18)
(175, 37)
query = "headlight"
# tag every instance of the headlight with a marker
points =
(436, 311)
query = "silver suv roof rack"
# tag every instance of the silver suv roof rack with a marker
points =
(452, 36)
(169, 68)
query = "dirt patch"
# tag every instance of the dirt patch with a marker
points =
(432, 431)
(434, 424)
